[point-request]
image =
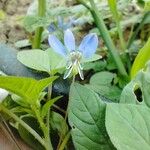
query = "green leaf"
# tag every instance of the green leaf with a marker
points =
(56, 61)
(128, 95)
(86, 115)
(101, 83)
(48, 105)
(27, 136)
(141, 82)
(17, 99)
(128, 126)
(93, 58)
(97, 66)
(23, 110)
(107, 93)
(141, 59)
(102, 78)
(58, 123)
(22, 43)
(147, 6)
(27, 88)
(35, 59)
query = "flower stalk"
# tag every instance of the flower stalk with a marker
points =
(38, 33)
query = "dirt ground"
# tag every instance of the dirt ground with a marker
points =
(10, 28)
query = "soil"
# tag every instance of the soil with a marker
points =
(10, 28)
(6, 142)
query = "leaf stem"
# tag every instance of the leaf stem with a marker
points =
(65, 119)
(38, 33)
(47, 137)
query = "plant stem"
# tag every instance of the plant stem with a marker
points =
(64, 142)
(47, 137)
(132, 38)
(38, 33)
(44, 128)
(105, 34)
(83, 3)
(27, 127)
(48, 118)
(65, 119)
(122, 42)
(60, 109)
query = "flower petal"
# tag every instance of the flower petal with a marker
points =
(56, 45)
(89, 45)
(69, 40)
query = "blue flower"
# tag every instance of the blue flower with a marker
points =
(61, 24)
(73, 54)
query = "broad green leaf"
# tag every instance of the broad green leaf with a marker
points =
(88, 124)
(141, 59)
(128, 126)
(48, 105)
(101, 83)
(128, 95)
(106, 92)
(35, 59)
(141, 82)
(27, 88)
(102, 78)
(56, 61)
(96, 66)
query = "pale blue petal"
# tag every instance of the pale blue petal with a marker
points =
(89, 45)
(56, 45)
(69, 40)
